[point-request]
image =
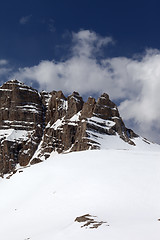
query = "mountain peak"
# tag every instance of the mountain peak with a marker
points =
(16, 84)
(14, 81)
(33, 125)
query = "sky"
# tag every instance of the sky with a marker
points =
(89, 46)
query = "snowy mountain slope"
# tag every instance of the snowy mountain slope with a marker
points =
(115, 142)
(117, 187)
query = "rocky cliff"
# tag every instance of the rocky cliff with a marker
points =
(33, 124)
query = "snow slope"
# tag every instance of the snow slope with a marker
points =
(119, 187)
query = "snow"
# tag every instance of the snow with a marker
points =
(114, 108)
(27, 89)
(21, 85)
(115, 142)
(47, 98)
(72, 123)
(19, 122)
(58, 124)
(120, 187)
(75, 118)
(115, 118)
(3, 89)
(29, 108)
(6, 109)
(65, 105)
(12, 134)
(99, 121)
(38, 153)
(76, 99)
(16, 82)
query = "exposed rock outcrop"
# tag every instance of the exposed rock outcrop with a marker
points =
(32, 124)
(89, 221)
(21, 124)
(74, 125)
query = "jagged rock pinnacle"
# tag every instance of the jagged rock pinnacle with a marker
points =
(32, 124)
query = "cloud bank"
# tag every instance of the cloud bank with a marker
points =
(134, 83)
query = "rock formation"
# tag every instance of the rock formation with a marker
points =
(33, 124)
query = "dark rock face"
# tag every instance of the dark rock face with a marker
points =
(89, 221)
(32, 124)
(21, 124)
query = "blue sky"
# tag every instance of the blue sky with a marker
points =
(90, 46)
(44, 33)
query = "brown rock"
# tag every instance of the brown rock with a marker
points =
(36, 124)
(21, 111)
(88, 108)
(75, 104)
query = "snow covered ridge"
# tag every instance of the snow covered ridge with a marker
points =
(34, 125)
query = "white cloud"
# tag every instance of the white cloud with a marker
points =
(88, 43)
(144, 106)
(134, 82)
(3, 62)
(80, 72)
(25, 19)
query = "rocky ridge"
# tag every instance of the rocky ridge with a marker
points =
(33, 124)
